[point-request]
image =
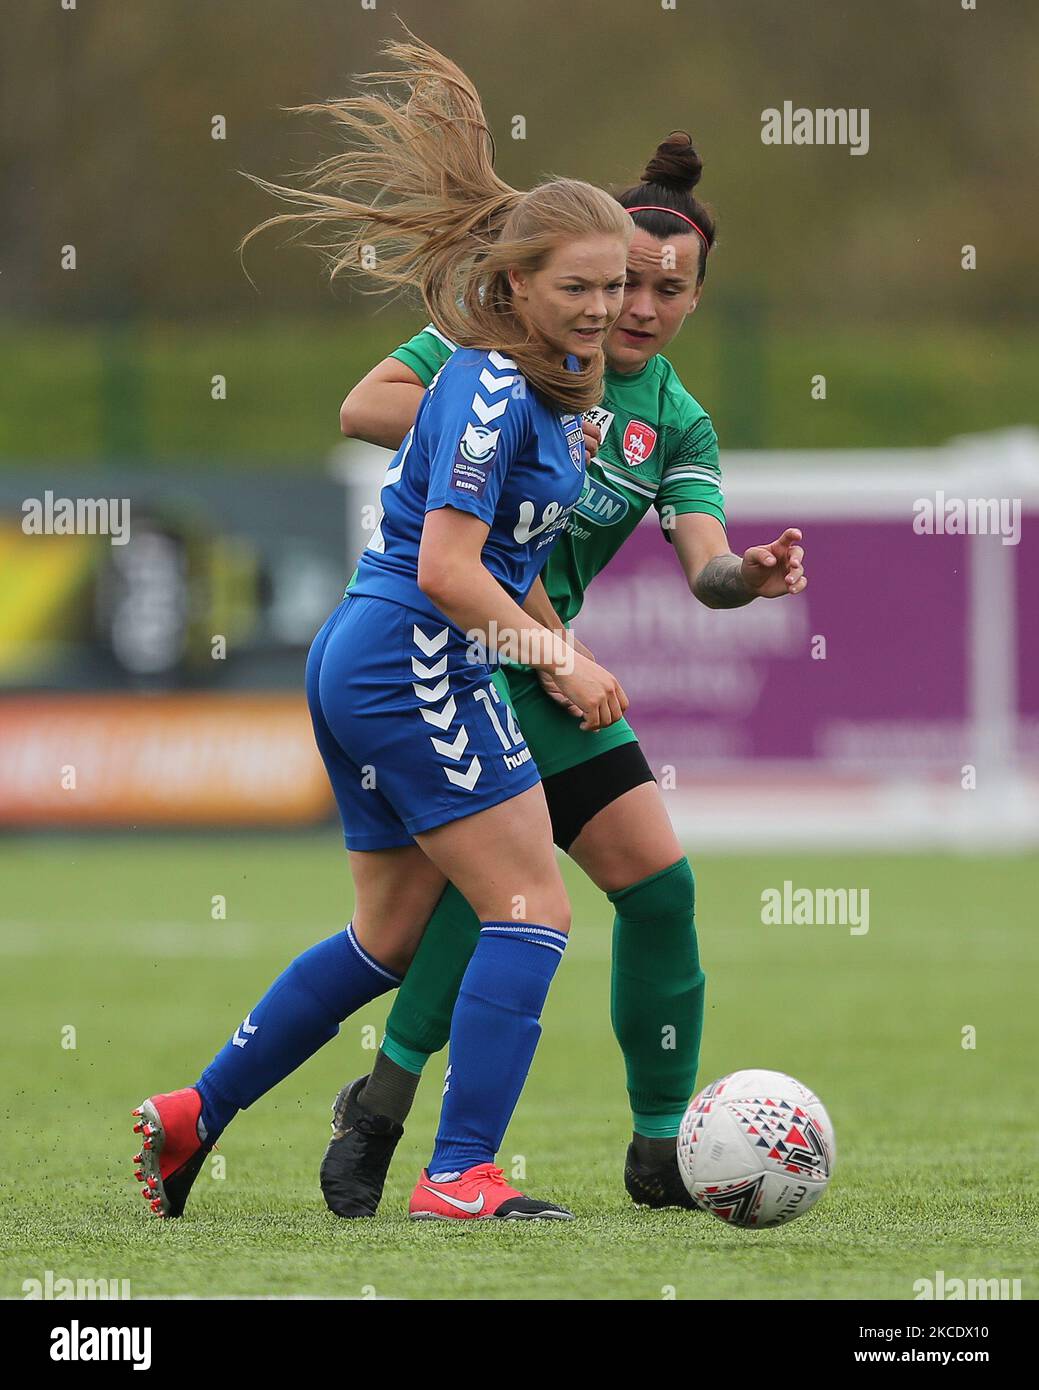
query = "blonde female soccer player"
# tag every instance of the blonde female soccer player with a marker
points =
(433, 780)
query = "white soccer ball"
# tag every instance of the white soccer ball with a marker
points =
(756, 1148)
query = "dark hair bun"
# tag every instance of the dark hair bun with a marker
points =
(675, 164)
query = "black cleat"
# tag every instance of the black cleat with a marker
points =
(354, 1168)
(656, 1184)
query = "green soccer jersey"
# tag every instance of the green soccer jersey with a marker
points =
(658, 449)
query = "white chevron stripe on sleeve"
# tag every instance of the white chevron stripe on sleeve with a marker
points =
(495, 383)
(486, 413)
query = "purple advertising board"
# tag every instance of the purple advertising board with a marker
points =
(868, 669)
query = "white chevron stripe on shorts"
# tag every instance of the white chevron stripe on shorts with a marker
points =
(428, 646)
(442, 718)
(469, 779)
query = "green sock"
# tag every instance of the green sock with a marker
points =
(390, 1090)
(419, 1023)
(657, 996)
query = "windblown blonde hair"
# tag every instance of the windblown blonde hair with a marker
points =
(438, 217)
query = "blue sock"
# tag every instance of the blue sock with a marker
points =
(300, 1012)
(494, 1031)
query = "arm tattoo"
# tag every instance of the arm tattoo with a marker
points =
(720, 583)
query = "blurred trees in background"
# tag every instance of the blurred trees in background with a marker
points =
(105, 144)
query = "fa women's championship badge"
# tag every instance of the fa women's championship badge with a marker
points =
(639, 442)
(476, 449)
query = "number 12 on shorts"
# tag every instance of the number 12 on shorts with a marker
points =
(489, 697)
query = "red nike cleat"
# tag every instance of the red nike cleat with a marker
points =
(172, 1151)
(479, 1193)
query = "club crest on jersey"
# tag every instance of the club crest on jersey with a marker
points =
(574, 437)
(639, 442)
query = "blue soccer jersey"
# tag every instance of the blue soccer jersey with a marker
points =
(411, 727)
(482, 442)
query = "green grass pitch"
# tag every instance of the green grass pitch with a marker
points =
(114, 938)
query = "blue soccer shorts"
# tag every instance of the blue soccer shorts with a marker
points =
(413, 733)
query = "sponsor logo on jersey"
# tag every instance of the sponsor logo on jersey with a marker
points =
(602, 418)
(601, 503)
(574, 438)
(575, 529)
(552, 517)
(639, 441)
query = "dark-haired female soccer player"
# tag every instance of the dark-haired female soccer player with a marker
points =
(432, 778)
(658, 448)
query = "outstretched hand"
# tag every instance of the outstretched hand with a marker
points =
(770, 571)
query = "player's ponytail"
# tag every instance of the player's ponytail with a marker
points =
(415, 202)
(663, 200)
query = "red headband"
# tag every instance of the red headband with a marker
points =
(674, 213)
